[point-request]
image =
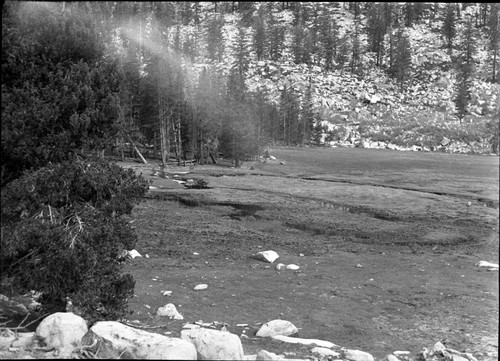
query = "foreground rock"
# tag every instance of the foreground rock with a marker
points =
(325, 352)
(357, 355)
(169, 311)
(266, 256)
(266, 355)
(214, 344)
(305, 341)
(62, 331)
(110, 339)
(277, 327)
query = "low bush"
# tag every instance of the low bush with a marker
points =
(62, 233)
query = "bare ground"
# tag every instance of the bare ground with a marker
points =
(405, 217)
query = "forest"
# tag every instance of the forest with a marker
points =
(189, 78)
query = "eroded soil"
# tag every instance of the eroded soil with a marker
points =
(403, 216)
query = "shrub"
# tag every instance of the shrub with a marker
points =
(62, 233)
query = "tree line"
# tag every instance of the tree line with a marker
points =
(172, 74)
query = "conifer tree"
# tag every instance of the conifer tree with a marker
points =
(401, 67)
(356, 51)
(215, 44)
(449, 25)
(465, 69)
(276, 38)
(494, 30)
(260, 34)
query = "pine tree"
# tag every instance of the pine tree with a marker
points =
(356, 51)
(306, 117)
(376, 28)
(449, 25)
(494, 31)
(465, 71)
(215, 43)
(260, 35)
(276, 38)
(401, 67)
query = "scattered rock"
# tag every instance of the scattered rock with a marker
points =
(292, 267)
(277, 327)
(200, 287)
(170, 311)
(492, 266)
(133, 254)
(401, 353)
(266, 355)
(359, 266)
(357, 355)
(110, 339)
(62, 331)
(438, 347)
(214, 344)
(390, 358)
(305, 341)
(266, 256)
(325, 352)
(279, 266)
(167, 293)
(272, 157)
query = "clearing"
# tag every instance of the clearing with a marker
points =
(416, 222)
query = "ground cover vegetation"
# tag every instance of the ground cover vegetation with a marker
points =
(196, 78)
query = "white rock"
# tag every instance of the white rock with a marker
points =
(272, 157)
(438, 347)
(266, 256)
(277, 327)
(170, 311)
(357, 355)
(266, 355)
(167, 293)
(24, 340)
(401, 353)
(133, 254)
(487, 264)
(324, 352)
(62, 330)
(280, 266)
(292, 267)
(214, 344)
(115, 340)
(305, 341)
(390, 358)
(200, 287)
(190, 326)
(359, 266)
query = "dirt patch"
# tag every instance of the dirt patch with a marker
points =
(418, 283)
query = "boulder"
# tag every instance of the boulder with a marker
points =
(277, 327)
(324, 352)
(390, 358)
(214, 344)
(357, 355)
(438, 347)
(304, 341)
(266, 355)
(169, 311)
(266, 256)
(62, 330)
(110, 339)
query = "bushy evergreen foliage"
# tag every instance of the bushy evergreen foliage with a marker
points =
(62, 234)
(60, 93)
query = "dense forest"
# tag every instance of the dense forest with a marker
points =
(193, 77)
